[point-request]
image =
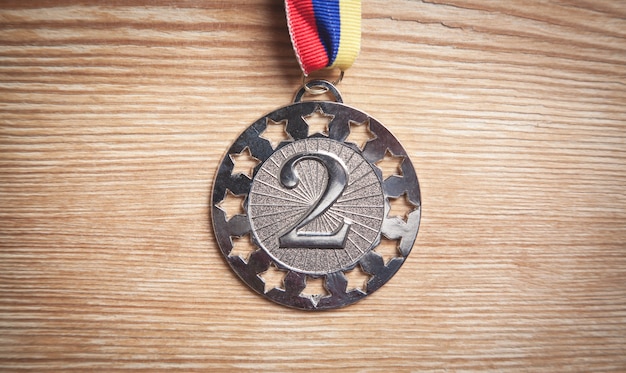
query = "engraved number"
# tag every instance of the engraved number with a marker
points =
(335, 186)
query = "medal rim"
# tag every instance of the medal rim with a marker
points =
(297, 278)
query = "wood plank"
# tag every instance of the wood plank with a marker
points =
(114, 117)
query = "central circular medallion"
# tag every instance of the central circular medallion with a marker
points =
(316, 206)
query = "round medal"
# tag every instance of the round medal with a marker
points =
(315, 204)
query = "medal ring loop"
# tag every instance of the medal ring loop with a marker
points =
(315, 89)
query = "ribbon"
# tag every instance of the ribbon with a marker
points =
(324, 33)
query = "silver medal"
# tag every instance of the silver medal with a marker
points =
(315, 205)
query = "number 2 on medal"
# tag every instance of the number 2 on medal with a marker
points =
(335, 186)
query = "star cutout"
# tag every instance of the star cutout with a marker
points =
(273, 278)
(390, 165)
(388, 249)
(357, 279)
(360, 133)
(275, 132)
(232, 205)
(244, 162)
(318, 121)
(242, 247)
(401, 207)
(314, 289)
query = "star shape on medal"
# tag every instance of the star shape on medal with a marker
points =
(275, 132)
(314, 290)
(318, 121)
(357, 279)
(401, 207)
(390, 164)
(232, 204)
(387, 249)
(360, 133)
(244, 162)
(242, 247)
(273, 278)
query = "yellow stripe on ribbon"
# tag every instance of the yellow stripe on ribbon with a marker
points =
(350, 37)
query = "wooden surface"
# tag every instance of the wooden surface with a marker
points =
(113, 119)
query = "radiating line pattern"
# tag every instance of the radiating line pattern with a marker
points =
(273, 208)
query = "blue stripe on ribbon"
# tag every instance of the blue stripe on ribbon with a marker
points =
(328, 21)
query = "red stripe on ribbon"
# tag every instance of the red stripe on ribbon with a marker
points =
(304, 35)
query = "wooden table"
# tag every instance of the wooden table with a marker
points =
(113, 120)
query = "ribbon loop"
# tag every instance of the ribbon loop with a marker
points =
(324, 33)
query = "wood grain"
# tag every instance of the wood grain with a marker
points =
(113, 119)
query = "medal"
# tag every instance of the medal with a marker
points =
(302, 196)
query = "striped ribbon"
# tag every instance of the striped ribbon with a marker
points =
(324, 33)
